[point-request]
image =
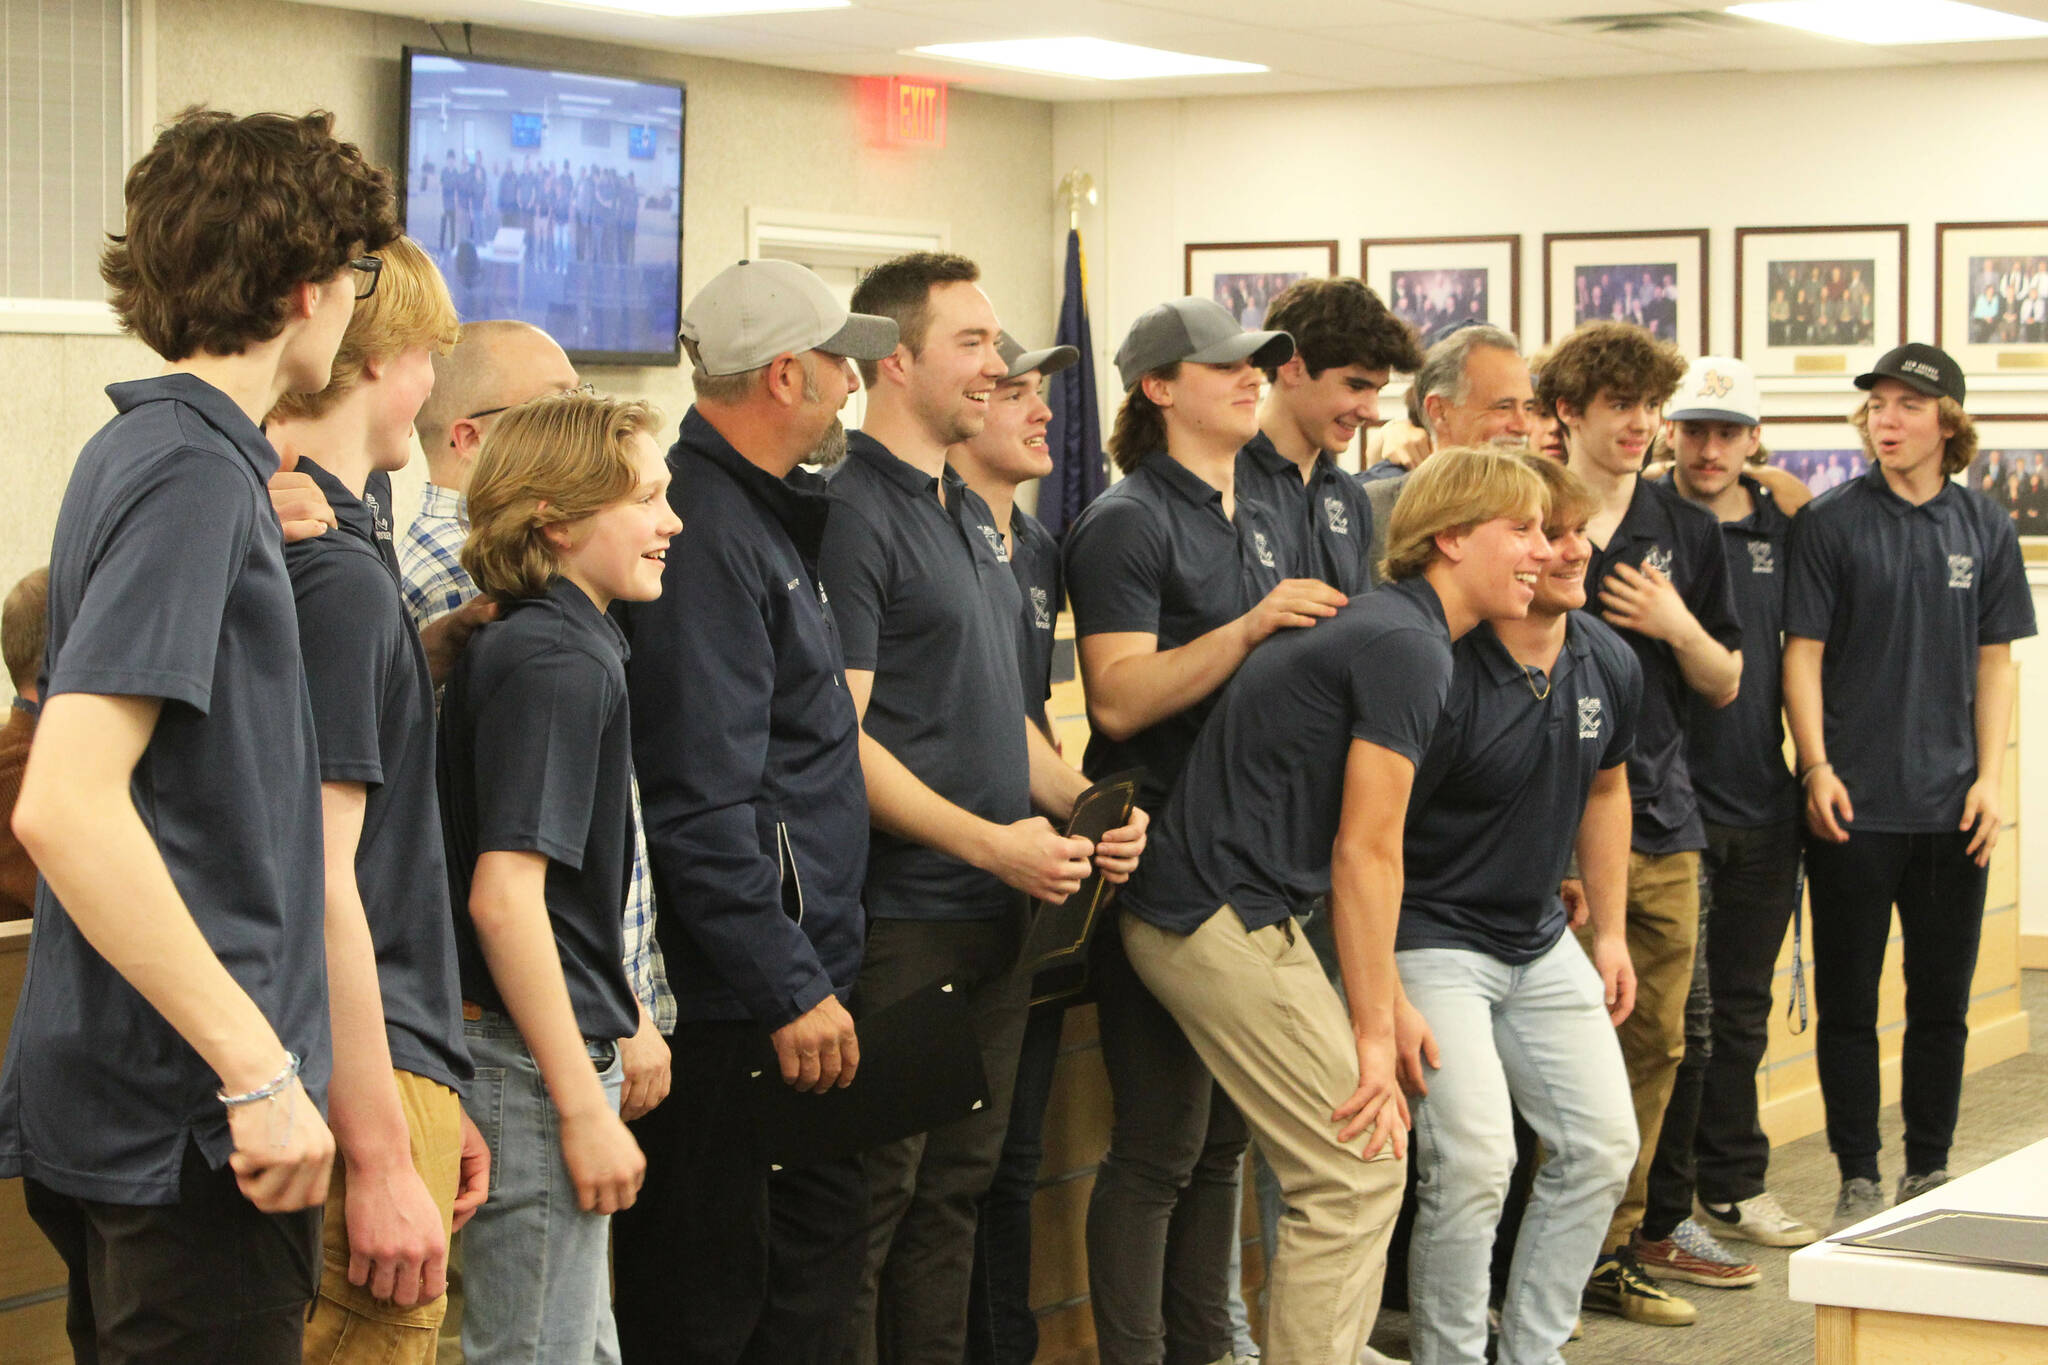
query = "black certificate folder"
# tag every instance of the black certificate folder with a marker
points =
(2009, 1241)
(1060, 933)
(920, 1068)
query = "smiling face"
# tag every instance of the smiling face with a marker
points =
(1500, 563)
(1011, 447)
(1906, 431)
(1329, 409)
(1710, 455)
(951, 378)
(1561, 586)
(1497, 407)
(1211, 406)
(1614, 431)
(616, 554)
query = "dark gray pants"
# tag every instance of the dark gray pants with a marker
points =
(912, 1305)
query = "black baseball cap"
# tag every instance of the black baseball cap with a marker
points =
(1928, 369)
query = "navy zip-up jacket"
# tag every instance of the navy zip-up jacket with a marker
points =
(747, 746)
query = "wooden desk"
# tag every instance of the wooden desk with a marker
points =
(1877, 1309)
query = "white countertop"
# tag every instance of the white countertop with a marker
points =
(1847, 1278)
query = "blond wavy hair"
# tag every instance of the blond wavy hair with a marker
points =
(1454, 490)
(410, 308)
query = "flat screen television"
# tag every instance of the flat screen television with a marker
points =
(519, 183)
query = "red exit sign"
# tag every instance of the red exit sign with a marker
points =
(917, 111)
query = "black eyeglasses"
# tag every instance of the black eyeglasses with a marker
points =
(585, 389)
(370, 269)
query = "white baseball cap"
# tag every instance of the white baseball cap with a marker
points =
(754, 311)
(1717, 388)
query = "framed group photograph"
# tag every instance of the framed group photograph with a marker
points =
(1991, 297)
(1819, 300)
(1246, 277)
(1656, 279)
(1438, 284)
(2011, 469)
(1821, 455)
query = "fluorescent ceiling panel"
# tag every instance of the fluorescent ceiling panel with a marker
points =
(1885, 22)
(699, 9)
(1095, 59)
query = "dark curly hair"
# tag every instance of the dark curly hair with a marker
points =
(1619, 358)
(1341, 322)
(902, 289)
(226, 216)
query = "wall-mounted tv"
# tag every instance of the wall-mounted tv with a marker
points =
(535, 207)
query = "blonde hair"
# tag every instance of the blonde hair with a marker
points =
(1957, 450)
(1567, 500)
(552, 461)
(1454, 490)
(410, 308)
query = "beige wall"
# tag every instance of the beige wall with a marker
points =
(757, 136)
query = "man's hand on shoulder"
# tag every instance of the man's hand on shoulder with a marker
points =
(302, 509)
(446, 636)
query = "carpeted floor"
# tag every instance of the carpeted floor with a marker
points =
(2004, 1108)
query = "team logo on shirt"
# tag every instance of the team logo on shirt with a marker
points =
(995, 543)
(1264, 550)
(1962, 571)
(1760, 559)
(1658, 558)
(1589, 717)
(1340, 520)
(377, 517)
(1041, 609)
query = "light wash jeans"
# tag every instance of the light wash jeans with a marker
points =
(1536, 1034)
(535, 1274)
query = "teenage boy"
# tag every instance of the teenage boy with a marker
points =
(1905, 593)
(926, 614)
(1749, 873)
(1010, 450)
(163, 1083)
(1346, 346)
(750, 753)
(1297, 787)
(1662, 577)
(399, 1058)
(1524, 771)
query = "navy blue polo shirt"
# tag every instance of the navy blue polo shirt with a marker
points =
(1325, 523)
(1902, 597)
(1498, 797)
(537, 757)
(1035, 560)
(1251, 823)
(1737, 751)
(1155, 555)
(1660, 528)
(925, 600)
(1382, 469)
(747, 745)
(373, 711)
(167, 580)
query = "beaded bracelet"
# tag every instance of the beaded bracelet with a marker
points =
(269, 1090)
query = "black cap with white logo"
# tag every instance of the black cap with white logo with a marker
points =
(1917, 365)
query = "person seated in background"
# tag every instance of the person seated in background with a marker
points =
(23, 629)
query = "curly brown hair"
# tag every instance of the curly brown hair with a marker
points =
(226, 216)
(1341, 322)
(1617, 358)
(1957, 451)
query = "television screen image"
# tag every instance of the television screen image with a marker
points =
(552, 196)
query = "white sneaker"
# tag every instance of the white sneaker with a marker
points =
(1759, 1219)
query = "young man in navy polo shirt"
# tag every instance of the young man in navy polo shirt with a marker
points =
(1297, 787)
(1662, 578)
(757, 816)
(1905, 594)
(399, 1058)
(926, 612)
(1346, 346)
(1749, 872)
(172, 799)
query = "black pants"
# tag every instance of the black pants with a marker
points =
(1939, 892)
(1001, 1328)
(205, 1280)
(724, 1260)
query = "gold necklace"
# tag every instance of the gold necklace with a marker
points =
(1528, 676)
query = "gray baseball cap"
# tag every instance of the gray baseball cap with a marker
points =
(1047, 362)
(756, 310)
(1200, 330)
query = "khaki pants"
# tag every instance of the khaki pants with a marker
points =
(1259, 1010)
(1663, 927)
(348, 1325)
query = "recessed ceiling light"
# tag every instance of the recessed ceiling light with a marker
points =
(433, 61)
(481, 92)
(1895, 21)
(699, 9)
(584, 99)
(1095, 59)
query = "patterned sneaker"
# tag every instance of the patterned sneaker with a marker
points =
(1759, 1219)
(1619, 1286)
(1860, 1198)
(1913, 1186)
(1691, 1254)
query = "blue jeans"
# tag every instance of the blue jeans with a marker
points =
(534, 1271)
(1536, 1036)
